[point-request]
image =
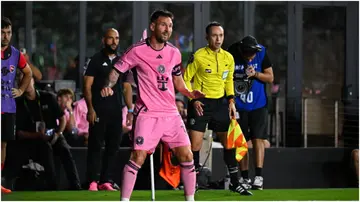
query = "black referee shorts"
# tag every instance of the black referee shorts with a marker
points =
(8, 126)
(216, 115)
(256, 121)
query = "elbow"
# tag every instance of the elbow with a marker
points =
(271, 80)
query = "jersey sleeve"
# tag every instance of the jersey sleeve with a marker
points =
(22, 61)
(127, 61)
(229, 82)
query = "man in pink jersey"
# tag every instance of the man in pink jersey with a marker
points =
(156, 68)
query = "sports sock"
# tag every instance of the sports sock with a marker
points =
(129, 178)
(245, 174)
(258, 171)
(196, 155)
(188, 177)
(229, 158)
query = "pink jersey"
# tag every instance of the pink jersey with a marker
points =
(80, 113)
(153, 71)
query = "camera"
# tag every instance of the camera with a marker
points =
(241, 84)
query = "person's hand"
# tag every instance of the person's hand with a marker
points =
(183, 113)
(195, 94)
(232, 109)
(91, 116)
(250, 71)
(16, 92)
(106, 92)
(198, 107)
(68, 105)
(129, 118)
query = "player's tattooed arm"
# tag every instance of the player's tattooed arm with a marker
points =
(113, 78)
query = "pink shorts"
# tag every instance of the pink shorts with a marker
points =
(148, 131)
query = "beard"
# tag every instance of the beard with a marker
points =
(4, 43)
(110, 50)
(161, 38)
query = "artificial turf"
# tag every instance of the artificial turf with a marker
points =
(202, 195)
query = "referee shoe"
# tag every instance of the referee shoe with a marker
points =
(240, 189)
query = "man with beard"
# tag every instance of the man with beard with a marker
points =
(155, 64)
(11, 59)
(104, 114)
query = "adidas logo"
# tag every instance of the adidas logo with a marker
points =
(159, 57)
(104, 64)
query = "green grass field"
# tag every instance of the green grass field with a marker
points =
(202, 195)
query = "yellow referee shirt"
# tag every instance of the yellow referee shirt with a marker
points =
(212, 73)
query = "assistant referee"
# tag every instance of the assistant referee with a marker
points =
(212, 69)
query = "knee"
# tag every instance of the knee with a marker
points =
(138, 156)
(258, 144)
(186, 156)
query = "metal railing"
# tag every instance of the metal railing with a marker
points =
(324, 118)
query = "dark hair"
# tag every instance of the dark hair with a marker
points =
(65, 91)
(5, 22)
(160, 13)
(212, 24)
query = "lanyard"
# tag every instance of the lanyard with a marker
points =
(39, 104)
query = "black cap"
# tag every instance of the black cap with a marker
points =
(249, 44)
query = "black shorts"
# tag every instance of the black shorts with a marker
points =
(8, 127)
(216, 114)
(256, 121)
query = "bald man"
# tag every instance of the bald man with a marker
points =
(104, 114)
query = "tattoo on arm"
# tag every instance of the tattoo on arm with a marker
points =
(113, 77)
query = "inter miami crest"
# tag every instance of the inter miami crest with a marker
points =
(161, 69)
(139, 140)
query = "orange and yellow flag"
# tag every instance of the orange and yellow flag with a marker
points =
(236, 139)
(169, 172)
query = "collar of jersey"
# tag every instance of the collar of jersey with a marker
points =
(221, 51)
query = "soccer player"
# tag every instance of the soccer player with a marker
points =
(156, 67)
(211, 68)
(11, 59)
